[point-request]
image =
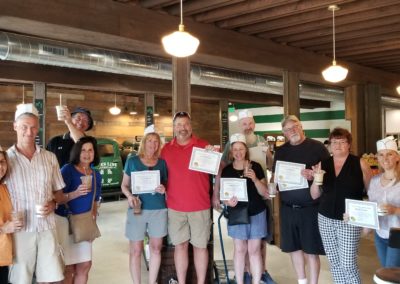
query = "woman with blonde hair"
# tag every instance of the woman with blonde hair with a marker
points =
(384, 189)
(147, 211)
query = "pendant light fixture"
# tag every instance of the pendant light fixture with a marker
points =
(180, 43)
(334, 73)
(115, 110)
(398, 89)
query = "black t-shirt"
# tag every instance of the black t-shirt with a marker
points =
(348, 184)
(256, 204)
(61, 146)
(310, 152)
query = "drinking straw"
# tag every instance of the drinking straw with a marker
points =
(60, 100)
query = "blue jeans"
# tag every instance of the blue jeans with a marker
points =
(388, 257)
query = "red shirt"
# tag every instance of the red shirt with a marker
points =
(187, 190)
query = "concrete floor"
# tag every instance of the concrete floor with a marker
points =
(111, 258)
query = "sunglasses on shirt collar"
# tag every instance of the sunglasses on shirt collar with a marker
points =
(181, 114)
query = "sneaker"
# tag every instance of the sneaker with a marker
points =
(247, 278)
(173, 281)
(266, 278)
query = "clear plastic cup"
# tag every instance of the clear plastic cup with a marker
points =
(87, 180)
(39, 210)
(18, 216)
(60, 109)
(272, 189)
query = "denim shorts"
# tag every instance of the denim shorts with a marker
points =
(257, 229)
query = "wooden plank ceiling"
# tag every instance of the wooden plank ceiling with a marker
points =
(367, 31)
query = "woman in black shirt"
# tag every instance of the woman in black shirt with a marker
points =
(247, 237)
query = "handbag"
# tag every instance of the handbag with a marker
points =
(238, 215)
(83, 226)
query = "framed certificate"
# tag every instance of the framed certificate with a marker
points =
(205, 161)
(362, 213)
(288, 176)
(231, 187)
(145, 181)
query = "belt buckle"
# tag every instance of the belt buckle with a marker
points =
(294, 206)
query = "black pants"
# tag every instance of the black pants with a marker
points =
(3, 274)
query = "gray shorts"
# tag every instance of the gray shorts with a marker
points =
(154, 221)
(257, 229)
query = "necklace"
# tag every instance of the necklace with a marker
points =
(388, 179)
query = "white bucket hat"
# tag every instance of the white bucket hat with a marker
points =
(238, 137)
(149, 129)
(26, 108)
(388, 143)
(244, 114)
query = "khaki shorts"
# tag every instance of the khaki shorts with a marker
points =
(189, 226)
(38, 250)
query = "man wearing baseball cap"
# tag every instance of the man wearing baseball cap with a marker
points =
(78, 122)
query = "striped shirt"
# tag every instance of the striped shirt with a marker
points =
(32, 182)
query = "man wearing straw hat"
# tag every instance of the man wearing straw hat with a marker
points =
(33, 182)
(78, 122)
(259, 152)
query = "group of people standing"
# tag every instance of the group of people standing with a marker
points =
(312, 219)
(36, 198)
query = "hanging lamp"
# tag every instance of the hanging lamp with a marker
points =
(115, 110)
(398, 89)
(180, 43)
(334, 73)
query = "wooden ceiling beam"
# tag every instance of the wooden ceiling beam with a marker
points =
(236, 10)
(278, 12)
(360, 9)
(157, 4)
(370, 33)
(367, 48)
(297, 34)
(203, 6)
(358, 42)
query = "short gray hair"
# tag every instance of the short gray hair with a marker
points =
(290, 117)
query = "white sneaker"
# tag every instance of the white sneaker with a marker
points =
(173, 281)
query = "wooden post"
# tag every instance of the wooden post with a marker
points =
(291, 97)
(180, 84)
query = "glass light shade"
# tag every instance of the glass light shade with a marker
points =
(233, 118)
(114, 110)
(398, 89)
(180, 43)
(335, 73)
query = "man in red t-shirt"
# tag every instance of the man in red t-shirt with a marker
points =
(188, 199)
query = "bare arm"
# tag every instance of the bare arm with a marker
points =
(75, 133)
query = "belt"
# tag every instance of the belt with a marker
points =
(297, 206)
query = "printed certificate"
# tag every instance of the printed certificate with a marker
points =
(145, 181)
(288, 176)
(205, 161)
(233, 187)
(362, 213)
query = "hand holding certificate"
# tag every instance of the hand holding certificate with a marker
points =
(362, 213)
(288, 176)
(205, 161)
(145, 181)
(231, 187)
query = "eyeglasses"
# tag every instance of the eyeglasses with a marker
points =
(293, 128)
(181, 114)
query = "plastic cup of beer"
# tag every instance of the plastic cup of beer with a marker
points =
(18, 216)
(382, 211)
(272, 189)
(137, 206)
(60, 109)
(87, 180)
(247, 167)
(319, 177)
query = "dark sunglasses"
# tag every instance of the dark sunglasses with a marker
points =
(181, 114)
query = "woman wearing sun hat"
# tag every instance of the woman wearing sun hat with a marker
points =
(384, 189)
(247, 237)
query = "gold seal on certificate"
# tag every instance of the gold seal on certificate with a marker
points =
(205, 161)
(362, 213)
(231, 187)
(145, 181)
